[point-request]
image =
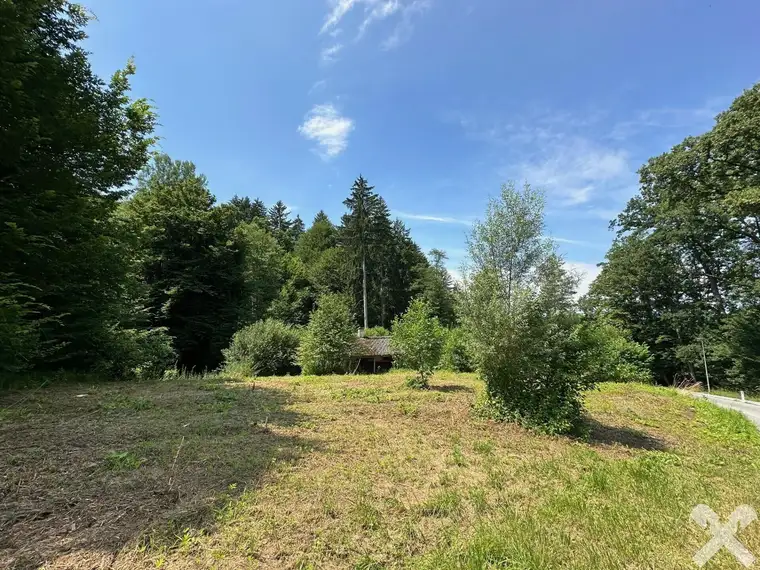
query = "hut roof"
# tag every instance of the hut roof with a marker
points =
(375, 346)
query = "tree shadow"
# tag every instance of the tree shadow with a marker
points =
(90, 470)
(450, 388)
(602, 434)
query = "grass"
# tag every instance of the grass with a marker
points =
(360, 472)
(754, 397)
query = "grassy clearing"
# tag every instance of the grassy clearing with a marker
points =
(360, 472)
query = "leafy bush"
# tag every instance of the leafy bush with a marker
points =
(607, 353)
(417, 340)
(456, 355)
(136, 354)
(330, 340)
(374, 332)
(19, 326)
(265, 348)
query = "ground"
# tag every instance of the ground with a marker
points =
(360, 472)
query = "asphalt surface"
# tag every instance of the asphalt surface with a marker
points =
(750, 409)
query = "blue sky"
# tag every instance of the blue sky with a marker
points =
(435, 102)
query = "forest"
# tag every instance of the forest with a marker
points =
(118, 260)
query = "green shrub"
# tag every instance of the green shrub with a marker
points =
(20, 339)
(607, 353)
(136, 354)
(374, 332)
(417, 341)
(456, 354)
(265, 348)
(330, 339)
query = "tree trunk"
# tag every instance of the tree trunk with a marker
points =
(364, 291)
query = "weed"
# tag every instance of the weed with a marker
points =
(122, 461)
(443, 504)
(483, 447)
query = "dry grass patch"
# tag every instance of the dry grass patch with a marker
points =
(360, 472)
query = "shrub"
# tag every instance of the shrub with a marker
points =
(607, 353)
(136, 354)
(330, 339)
(374, 332)
(456, 354)
(417, 340)
(265, 348)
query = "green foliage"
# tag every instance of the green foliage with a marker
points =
(519, 311)
(204, 274)
(20, 343)
(70, 143)
(379, 257)
(122, 461)
(135, 353)
(687, 255)
(457, 354)
(265, 348)
(607, 353)
(374, 332)
(330, 339)
(437, 289)
(417, 340)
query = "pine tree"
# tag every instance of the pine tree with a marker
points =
(280, 224)
(365, 235)
(296, 230)
(247, 210)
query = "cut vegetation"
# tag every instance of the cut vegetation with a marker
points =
(360, 472)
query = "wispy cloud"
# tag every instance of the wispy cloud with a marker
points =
(339, 9)
(318, 86)
(325, 125)
(380, 11)
(431, 218)
(375, 11)
(329, 54)
(573, 170)
(579, 243)
(586, 272)
(403, 30)
(696, 119)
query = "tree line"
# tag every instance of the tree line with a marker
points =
(682, 273)
(118, 260)
(114, 257)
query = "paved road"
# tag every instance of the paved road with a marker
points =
(750, 409)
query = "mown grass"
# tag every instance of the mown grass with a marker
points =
(361, 472)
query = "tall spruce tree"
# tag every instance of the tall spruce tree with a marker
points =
(365, 235)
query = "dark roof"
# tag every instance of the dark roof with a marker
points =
(375, 346)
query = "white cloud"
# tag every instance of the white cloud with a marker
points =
(381, 11)
(325, 125)
(578, 242)
(587, 272)
(374, 11)
(403, 30)
(573, 170)
(339, 9)
(432, 218)
(329, 54)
